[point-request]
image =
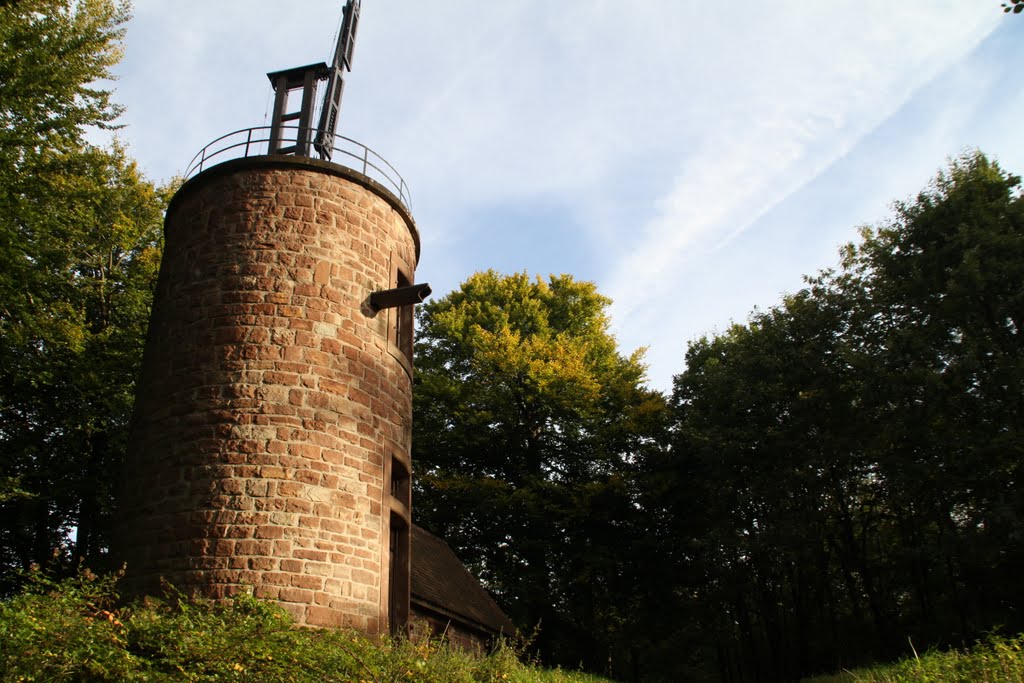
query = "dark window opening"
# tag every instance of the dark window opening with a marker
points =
(400, 488)
(404, 321)
(398, 591)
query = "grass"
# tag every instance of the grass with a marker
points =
(76, 630)
(995, 660)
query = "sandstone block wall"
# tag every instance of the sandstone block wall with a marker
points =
(270, 401)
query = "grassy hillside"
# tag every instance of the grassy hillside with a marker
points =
(76, 631)
(998, 660)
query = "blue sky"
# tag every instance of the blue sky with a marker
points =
(694, 159)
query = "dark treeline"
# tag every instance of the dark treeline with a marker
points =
(851, 458)
(80, 242)
(833, 478)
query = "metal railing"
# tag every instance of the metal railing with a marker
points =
(252, 142)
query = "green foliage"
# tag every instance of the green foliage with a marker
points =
(75, 291)
(80, 242)
(63, 632)
(74, 630)
(53, 55)
(852, 456)
(995, 660)
(528, 424)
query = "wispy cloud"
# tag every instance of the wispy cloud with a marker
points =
(661, 129)
(815, 96)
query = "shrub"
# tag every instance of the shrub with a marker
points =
(996, 660)
(65, 632)
(75, 630)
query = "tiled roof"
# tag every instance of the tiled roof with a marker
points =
(442, 583)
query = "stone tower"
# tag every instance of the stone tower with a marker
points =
(270, 448)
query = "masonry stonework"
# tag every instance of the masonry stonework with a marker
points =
(272, 402)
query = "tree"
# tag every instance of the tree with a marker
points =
(54, 53)
(80, 242)
(527, 421)
(765, 441)
(946, 279)
(853, 454)
(71, 337)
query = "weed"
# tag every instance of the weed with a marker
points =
(74, 630)
(998, 659)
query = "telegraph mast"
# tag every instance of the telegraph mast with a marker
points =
(306, 79)
(336, 80)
